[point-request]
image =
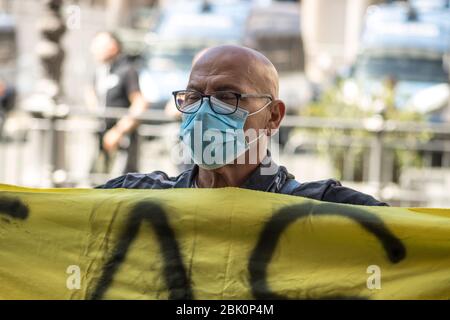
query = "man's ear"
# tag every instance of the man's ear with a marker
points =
(277, 112)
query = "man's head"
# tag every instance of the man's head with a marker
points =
(242, 70)
(239, 63)
(105, 47)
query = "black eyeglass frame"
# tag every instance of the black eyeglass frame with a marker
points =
(238, 96)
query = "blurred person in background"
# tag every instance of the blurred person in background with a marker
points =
(116, 85)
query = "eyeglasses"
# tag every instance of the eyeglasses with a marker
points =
(187, 101)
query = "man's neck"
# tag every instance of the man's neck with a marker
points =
(233, 175)
(111, 61)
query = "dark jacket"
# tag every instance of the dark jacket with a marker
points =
(278, 180)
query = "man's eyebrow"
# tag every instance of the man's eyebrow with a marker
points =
(223, 87)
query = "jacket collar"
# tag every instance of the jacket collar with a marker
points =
(268, 176)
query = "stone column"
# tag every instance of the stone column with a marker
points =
(50, 52)
(51, 56)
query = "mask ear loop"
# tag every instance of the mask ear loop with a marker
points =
(265, 106)
(250, 114)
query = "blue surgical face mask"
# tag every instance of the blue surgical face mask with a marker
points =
(214, 140)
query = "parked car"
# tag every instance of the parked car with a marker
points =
(184, 29)
(407, 46)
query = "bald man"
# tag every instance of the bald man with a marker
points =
(230, 109)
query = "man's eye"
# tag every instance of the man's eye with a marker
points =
(226, 97)
(190, 98)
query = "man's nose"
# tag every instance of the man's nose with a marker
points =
(206, 98)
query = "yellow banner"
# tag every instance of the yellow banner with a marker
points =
(215, 244)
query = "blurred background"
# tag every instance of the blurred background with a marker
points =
(366, 84)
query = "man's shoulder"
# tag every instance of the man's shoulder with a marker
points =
(153, 180)
(123, 65)
(332, 190)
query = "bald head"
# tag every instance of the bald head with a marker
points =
(105, 46)
(232, 66)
